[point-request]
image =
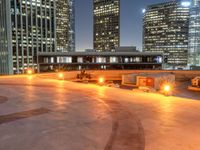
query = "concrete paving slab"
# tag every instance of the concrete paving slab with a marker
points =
(84, 116)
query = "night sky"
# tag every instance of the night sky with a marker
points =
(131, 23)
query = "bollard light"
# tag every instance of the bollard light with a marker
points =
(101, 80)
(61, 76)
(167, 88)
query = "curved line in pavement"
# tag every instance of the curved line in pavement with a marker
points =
(24, 84)
(115, 126)
(127, 130)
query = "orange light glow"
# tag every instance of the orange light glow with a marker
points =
(29, 72)
(101, 80)
(167, 88)
(60, 75)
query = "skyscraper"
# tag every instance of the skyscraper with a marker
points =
(65, 25)
(194, 34)
(5, 48)
(106, 24)
(32, 26)
(165, 30)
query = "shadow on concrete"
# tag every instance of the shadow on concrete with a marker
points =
(181, 90)
(22, 115)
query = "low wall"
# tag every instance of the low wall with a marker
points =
(117, 74)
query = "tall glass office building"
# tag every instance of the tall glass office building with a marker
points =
(33, 30)
(165, 30)
(65, 25)
(29, 27)
(194, 34)
(5, 49)
(106, 24)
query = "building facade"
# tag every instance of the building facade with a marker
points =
(5, 49)
(194, 34)
(31, 27)
(33, 30)
(106, 24)
(121, 60)
(166, 27)
(65, 28)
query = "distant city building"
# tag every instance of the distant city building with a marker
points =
(65, 25)
(29, 27)
(194, 34)
(106, 24)
(126, 49)
(166, 30)
(117, 49)
(5, 48)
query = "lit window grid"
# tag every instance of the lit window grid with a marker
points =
(32, 30)
(166, 30)
(65, 25)
(106, 25)
(194, 34)
(5, 59)
(32, 24)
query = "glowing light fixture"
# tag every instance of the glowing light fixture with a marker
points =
(29, 72)
(144, 10)
(167, 88)
(101, 80)
(186, 4)
(60, 75)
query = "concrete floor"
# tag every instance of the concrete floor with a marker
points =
(40, 114)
